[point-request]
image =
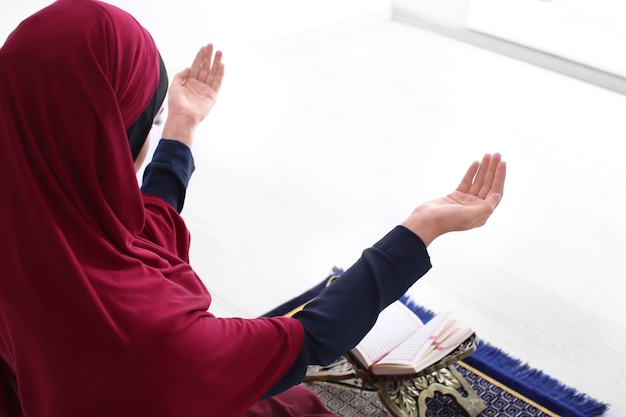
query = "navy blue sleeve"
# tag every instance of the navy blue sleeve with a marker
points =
(342, 314)
(167, 175)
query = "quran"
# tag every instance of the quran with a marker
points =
(399, 343)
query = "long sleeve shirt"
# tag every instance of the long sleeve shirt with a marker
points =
(342, 313)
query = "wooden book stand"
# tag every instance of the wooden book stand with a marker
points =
(407, 395)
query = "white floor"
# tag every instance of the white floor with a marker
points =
(322, 142)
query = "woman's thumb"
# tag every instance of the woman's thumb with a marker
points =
(495, 198)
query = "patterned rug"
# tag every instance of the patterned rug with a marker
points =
(507, 385)
(347, 401)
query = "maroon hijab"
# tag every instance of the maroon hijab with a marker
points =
(98, 318)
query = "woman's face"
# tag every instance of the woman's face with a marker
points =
(141, 157)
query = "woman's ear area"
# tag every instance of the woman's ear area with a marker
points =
(143, 152)
(141, 157)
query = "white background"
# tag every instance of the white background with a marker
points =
(333, 122)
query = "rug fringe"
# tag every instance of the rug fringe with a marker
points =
(521, 377)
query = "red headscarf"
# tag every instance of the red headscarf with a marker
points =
(96, 319)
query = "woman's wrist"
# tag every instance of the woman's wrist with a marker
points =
(179, 128)
(423, 228)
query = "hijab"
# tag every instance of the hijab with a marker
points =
(94, 316)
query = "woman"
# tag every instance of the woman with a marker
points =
(100, 312)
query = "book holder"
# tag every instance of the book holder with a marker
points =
(407, 395)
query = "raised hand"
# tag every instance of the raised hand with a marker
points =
(192, 94)
(469, 206)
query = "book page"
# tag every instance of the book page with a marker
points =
(416, 346)
(395, 324)
(447, 332)
(453, 335)
(442, 349)
(434, 341)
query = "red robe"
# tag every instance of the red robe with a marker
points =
(298, 401)
(97, 319)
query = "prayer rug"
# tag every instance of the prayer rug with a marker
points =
(500, 400)
(506, 385)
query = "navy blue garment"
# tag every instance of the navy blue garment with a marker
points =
(167, 175)
(342, 314)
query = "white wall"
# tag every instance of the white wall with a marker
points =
(589, 32)
(11, 13)
(180, 27)
(450, 12)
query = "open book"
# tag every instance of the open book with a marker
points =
(399, 343)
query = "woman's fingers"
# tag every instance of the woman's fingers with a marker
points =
(179, 78)
(468, 178)
(207, 67)
(196, 66)
(484, 178)
(205, 70)
(217, 72)
(479, 179)
(489, 176)
(499, 179)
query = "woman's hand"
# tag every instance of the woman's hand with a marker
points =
(192, 94)
(469, 206)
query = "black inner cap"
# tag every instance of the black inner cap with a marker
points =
(138, 132)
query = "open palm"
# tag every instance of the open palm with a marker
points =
(193, 91)
(469, 206)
